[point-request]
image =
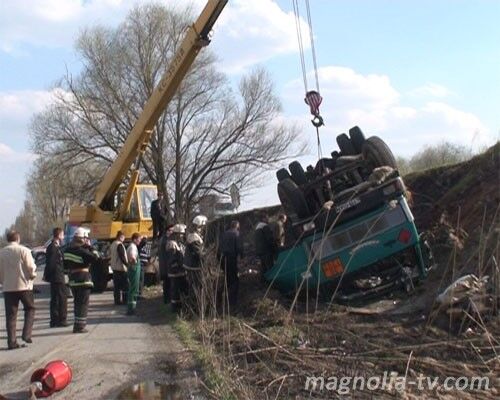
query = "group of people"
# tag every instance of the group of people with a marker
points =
(18, 271)
(128, 265)
(180, 255)
(180, 258)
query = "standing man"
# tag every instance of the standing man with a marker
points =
(162, 261)
(119, 263)
(17, 272)
(193, 258)
(264, 244)
(54, 273)
(278, 228)
(230, 248)
(133, 273)
(145, 257)
(158, 215)
(77, 261)
(175, 261)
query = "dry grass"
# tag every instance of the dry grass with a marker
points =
(267, 349)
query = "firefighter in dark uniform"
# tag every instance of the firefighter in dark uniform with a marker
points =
(175, 261)
(193, 259)
(78, 258)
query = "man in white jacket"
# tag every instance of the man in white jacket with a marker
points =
(17, 272)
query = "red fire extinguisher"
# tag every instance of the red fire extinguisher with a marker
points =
(54, 377)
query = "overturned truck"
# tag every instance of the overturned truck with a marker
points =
(353, 231)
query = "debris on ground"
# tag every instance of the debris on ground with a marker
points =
(463, 289)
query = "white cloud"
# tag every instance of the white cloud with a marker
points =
(373, 103)
(9, 155)
(250, 32)
(17, 103)
(247, 33)
(16, 110)
(54, 23)
(431, 90)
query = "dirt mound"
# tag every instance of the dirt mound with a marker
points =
(466, 193)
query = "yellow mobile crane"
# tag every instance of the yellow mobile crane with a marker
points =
(102, 216)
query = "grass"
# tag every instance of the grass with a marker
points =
(217, 379)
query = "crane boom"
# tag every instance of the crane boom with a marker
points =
(137, 140)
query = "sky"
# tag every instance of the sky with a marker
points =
(414, 72)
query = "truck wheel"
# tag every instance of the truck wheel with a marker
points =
(357, 138)
(292, 199)
(324, 163)
(282, 174)
(377, 153)
(345, 145)
(298, 173)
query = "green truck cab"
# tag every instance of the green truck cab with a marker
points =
(360, 242)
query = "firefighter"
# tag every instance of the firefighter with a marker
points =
(193, 257)
(174, 261)
(77, 261)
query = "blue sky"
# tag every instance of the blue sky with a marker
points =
(412, 72)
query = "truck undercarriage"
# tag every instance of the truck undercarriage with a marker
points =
(354, 233)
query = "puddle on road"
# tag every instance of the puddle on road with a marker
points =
(151, 390)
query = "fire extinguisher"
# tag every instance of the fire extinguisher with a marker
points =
(54, 377)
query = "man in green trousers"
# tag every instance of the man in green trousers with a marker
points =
(133, 273)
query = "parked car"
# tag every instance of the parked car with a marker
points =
(38, 253)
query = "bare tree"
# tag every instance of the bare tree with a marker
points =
(209, 137)
(51, 191)
(24, 224)
(438, 155)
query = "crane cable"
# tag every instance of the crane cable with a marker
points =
(313, 49)
(312, 98)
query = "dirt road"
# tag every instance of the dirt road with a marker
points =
(118, 350)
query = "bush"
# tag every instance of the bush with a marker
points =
(444, 153)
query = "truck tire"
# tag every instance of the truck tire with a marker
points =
(292, 199)
(298, 173)
(376, 151)
(282, 174)
(345, 145)
(357, 138)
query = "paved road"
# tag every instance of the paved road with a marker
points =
(119, 350)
